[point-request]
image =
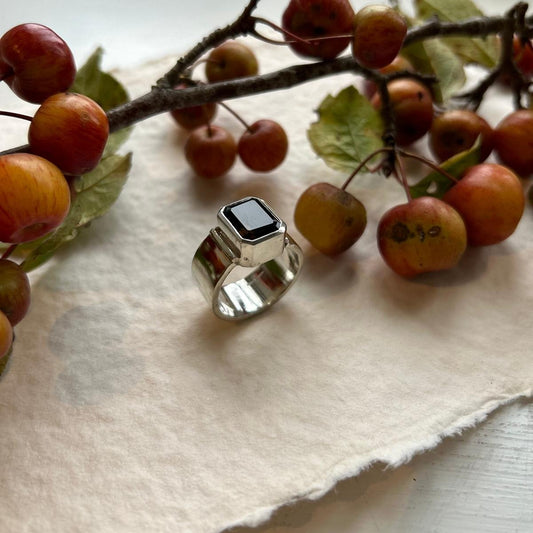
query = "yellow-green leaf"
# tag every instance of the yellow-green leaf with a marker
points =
(96, 192)
(433, 57)
(437, 183)
(348, 130)
(483, 51)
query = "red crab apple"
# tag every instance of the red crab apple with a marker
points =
(523, 56)
(35, 62)
(71, 131)
(379, 32)
(263, 146)
(513, 141)
(15, 292)
(330, 218)
(6, 335)
(412, 107)
(34, 196)
(229, 61)
(211, 151)
(195, 116)
(457, 130)
(490, 198)
(523, 59)
(310, 19)
(398, 64)
(422, 235)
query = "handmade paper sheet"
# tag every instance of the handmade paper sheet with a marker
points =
(128, 407)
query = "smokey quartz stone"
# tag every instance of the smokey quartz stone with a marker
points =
(251, 219)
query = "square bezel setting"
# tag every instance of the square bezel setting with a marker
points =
(254, 229)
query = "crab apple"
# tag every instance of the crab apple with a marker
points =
(263, 146)
(379, 32)
(308, 19)
(15, 292)
(412, 107)
(71, 131)
(210, 151)
(422, 235)
(455, 131)
(6, 335)
(513, 141)
(330, 218)
(229, 61)
(195, 116)
(490, 198)
(34, 195)
(398, 64)
(523, 56)
(35, 62)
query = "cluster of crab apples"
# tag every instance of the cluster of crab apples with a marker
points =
(429, 233)
(425, 234)
(66, 137)
(212, 150)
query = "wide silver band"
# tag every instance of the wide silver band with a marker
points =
(241, 277)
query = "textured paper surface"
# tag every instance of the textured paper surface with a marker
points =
(128, 407)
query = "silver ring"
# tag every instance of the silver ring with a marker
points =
(247, 262)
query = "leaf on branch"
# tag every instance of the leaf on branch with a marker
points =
(95, 193)
(436, 184)
(483, 51)
(434, 58)
(348, 130)
(105, 90)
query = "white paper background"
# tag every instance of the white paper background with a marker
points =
(128, 407)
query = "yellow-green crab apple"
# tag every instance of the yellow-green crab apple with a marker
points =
(34, 195)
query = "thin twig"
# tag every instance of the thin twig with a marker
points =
(242, 26)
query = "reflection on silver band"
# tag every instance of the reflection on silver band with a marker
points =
(268, 263)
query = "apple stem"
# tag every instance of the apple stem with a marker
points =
(16, 115)
(9, 251)
(236, 115)
(279, 29)
(292, 37)
(314, 40)
(198, 63)
(364, 162)
(399, 170)
(429, 163)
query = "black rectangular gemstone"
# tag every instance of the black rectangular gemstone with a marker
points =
(251, 219)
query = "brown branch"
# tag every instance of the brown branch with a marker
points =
(162, 98)
(514, 22)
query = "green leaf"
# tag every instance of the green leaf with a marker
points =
(95, 193)
(433, 57)
(483, 51)
(5, 360)
(348, 129)
(105, 90)
(99, 189)
(101, 86)
(436, 184)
